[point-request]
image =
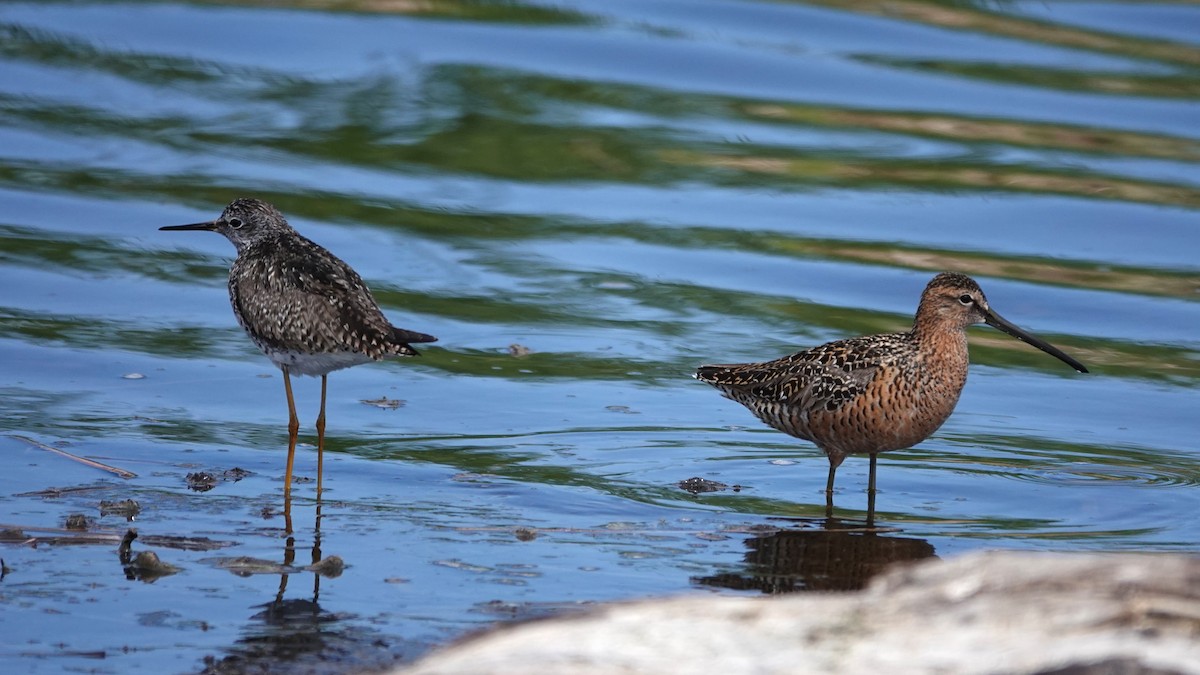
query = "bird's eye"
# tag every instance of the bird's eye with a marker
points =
(235, 223)
(966, 299)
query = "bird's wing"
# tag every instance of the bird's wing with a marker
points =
(823, 377)
(309, 300)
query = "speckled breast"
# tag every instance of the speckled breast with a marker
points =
(897, 410)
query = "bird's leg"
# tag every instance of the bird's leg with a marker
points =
(293, 431)
(871, 492)
(871, 475)
(829, 490)
(321, 437)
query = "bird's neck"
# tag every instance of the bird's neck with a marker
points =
(943, 351)
(266, 243)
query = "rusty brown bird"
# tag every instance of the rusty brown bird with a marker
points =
(873, 393)
(308, 311)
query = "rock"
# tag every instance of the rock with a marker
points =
(999, 613)
(148, 567)
(330, 567)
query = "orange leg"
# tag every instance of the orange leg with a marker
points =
(293, 431)
(321, 437)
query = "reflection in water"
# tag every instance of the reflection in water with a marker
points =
(297, 634)
(965, 16)
(840, 557)
(905, 173)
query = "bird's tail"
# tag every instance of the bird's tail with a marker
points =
(713, 374)
(402, 335)
(401, 339)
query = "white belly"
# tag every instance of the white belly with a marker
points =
(299, 363)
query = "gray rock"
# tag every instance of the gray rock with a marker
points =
(1003, 613)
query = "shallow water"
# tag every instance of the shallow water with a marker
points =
(627, 189)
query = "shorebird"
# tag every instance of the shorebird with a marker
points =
(308, 311)
(873, 393)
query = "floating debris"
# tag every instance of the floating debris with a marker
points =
(54, 493)
(12, 535)
(530, 610)
(383, 402)
(82, 460)
(125, 550)
(125, 507)
(525, 533)
(201, 481)
(457, 564)
(133, 376)
(696, 485)
(244, 566)
(621, 409)
(78, 521)
(146, 565)
(185, 543)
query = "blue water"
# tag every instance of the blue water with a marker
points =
(627, 189)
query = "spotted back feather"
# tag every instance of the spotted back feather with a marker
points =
(304, 307)
(291, 294)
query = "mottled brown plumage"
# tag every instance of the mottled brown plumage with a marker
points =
(308, 311)
(875, 393)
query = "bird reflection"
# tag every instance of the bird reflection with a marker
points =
(841, 556)
(285, 633)
(289, 549)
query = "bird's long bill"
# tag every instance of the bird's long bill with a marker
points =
(1000, 323)
(210, 225)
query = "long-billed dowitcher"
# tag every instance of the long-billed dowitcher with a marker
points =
(873, 393)
(308, 311)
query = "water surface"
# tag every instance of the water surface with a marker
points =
(627, 190)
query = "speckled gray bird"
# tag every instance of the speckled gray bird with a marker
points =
(874, 393)
(308, 311)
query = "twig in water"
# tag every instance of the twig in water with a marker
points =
(83, 460)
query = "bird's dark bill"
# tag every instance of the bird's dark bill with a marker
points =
(1000, 323)
(210, 225)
